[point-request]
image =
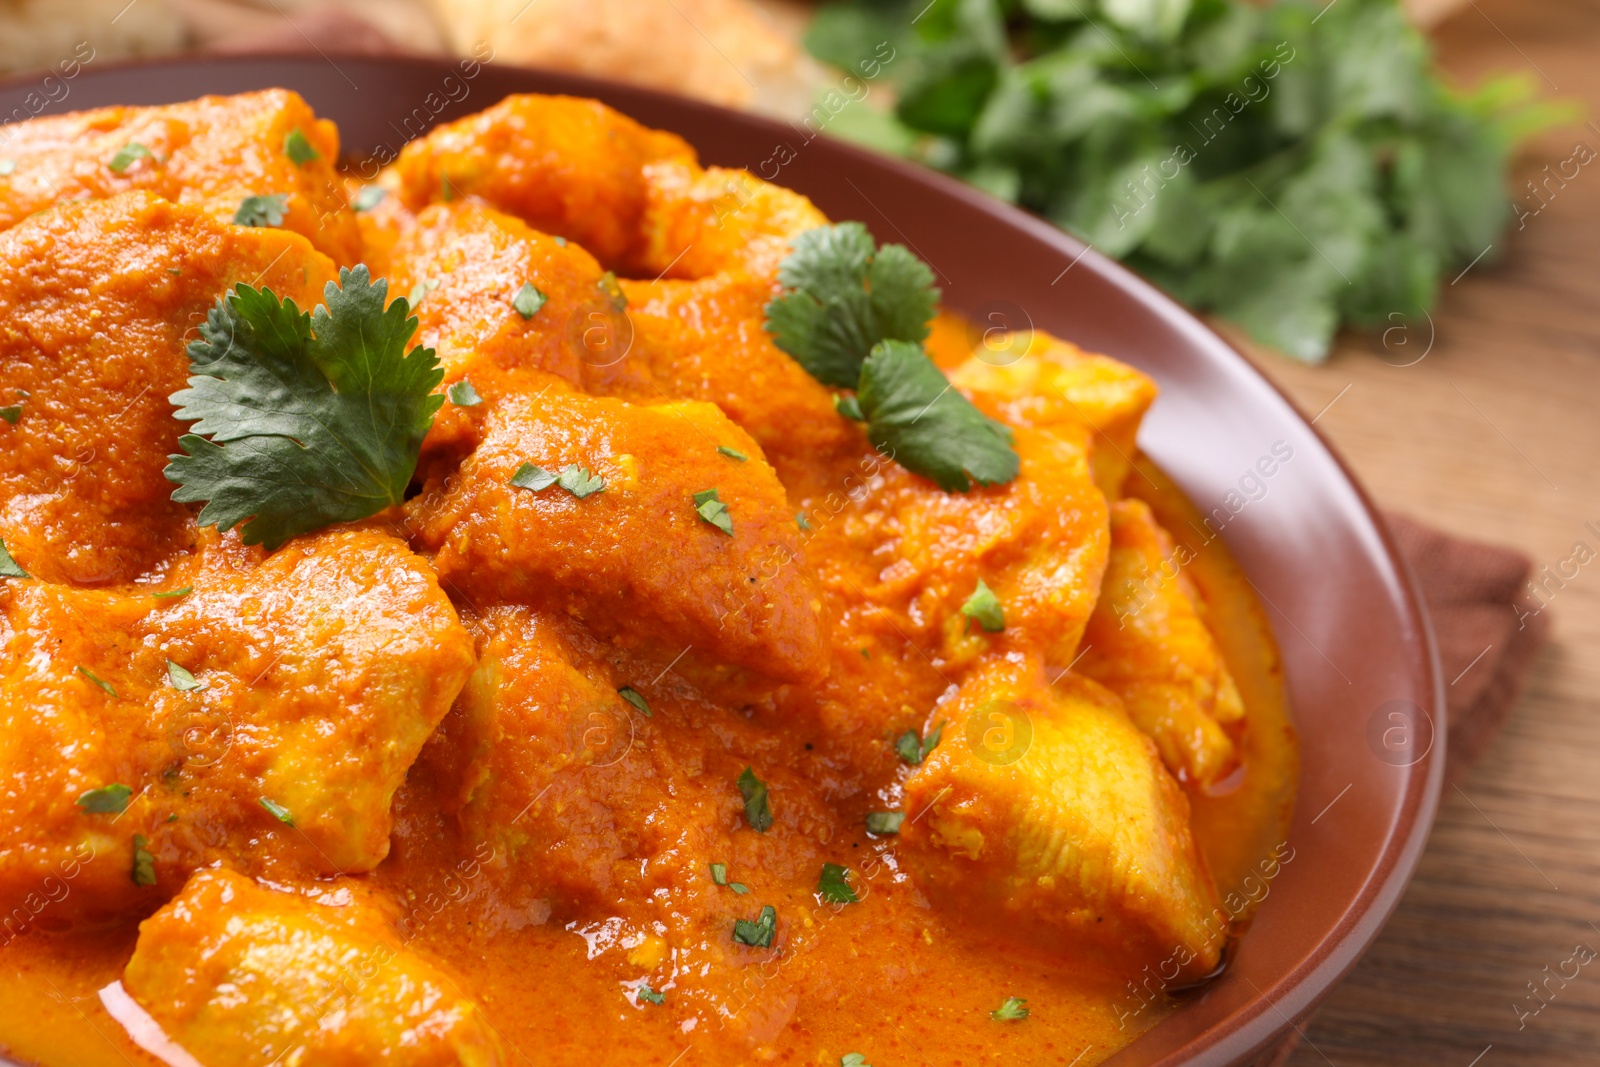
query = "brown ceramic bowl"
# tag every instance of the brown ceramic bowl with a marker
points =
(1355, 639)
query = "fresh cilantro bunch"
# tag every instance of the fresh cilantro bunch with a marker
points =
(855, 315)
(1294, 166)
(301, 420)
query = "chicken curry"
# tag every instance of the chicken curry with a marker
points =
(563, 604)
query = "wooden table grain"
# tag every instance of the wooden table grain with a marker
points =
(1494, 433)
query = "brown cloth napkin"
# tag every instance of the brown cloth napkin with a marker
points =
(1489, 631)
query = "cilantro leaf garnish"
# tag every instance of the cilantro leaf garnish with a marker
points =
(853, 1059)
(11, 413)
(368, 198)
(916, 416)
(711, 509)
(299, 149)
(1010, 1011)
(9, 568)
(885, 822)
(636, 698)
(144, 864)
(303, 420)
(278, 811)
(849, 407)
(579, 481)
(732, 453)
(107, 800)
(914, 749)
(757, 934)
(265, 210)
(462, 394)
(648, 994)
(99, 681)
(533, 478)
(528, 300)
(983, 607)
(181, 679)
(757, 812)
(845, 295)
(834, 886)
(719, 875)
(128, 154)
(171, 594)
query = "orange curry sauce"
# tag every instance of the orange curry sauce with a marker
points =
(499, 855)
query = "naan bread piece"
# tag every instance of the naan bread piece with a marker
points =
(211, 152)
(641, 555)
(1052, 382)
(236, 973)
(1147, 642)
(1045, 814)
(100, 299)
(309, 678)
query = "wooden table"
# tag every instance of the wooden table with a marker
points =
(1495, 435)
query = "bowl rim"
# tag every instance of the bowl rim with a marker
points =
(1255, 1026)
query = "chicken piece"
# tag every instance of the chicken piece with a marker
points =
(1053, 382)
(1045, 814)
(99, 299)
(1147, 643)
(235, 973)
(699, 223)
(905, 552)
(318, 672)
(641, 555)
(211, 152)
(467, 264)
(563, 165)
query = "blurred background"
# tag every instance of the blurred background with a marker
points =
(1391, 208)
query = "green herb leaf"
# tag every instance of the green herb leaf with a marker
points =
(732, 453)
(303, 420)
(181, 679)
(128, 154)
(1010, 1011)
(914, 749)
(711, 509)
(757, 934)
(849, 407)
(885, 822)
(11, 413)
(278, 811)
(299, 149)
(265, 210)
(107, 800)
(846, 295)
(756, 810)
(174, 593)
(914, 415)
(9, 568)
(528, 476)
(612, 289)
(579, 481)
(634, 697)
(144, 864)
(528, 300)
(983, 607)
(853, 1059)
(99, 681)
(368, 198)
(719, 875)
(462, 394)
(646, 993)
(834, 885)
(801, 521)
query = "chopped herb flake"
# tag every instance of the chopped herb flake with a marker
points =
(181, 679)
(757, 934)
(757, 812)
(634, 697)
(144, 864)
(368, 198)
(732, 453)
(528, 300)
(462, 394)
(719, 875)
(1012, 1010)
(613, 289)
(711, 509)
(266, 210)
(9, 568)
(278, 811)
(914, 749)
(107, 800)
(528, 476)
(885, 822)
(128, 154)
(853, 1059)
(299, 149)
(579, 481)
(97, 680)
(173, 593)
(11, 414)
(834, 886)
(646, 993)
(848, 406)
(983, 607)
